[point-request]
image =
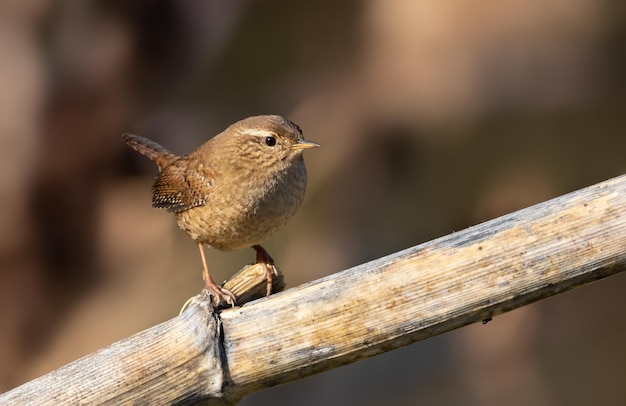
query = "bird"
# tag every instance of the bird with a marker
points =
(235, 190)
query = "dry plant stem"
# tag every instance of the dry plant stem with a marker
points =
(250, 282)
(393, 301)
(178, 361)
(426, 290)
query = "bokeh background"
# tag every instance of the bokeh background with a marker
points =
(434, 115)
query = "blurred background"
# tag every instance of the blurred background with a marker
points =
(433, 115)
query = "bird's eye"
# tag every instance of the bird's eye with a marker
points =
(270, 141)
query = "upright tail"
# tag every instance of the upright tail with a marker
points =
(157, 153)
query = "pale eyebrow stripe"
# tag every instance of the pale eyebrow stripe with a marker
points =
(259, 133)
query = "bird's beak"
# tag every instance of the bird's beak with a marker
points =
(305, 144)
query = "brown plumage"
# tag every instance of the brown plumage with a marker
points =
(236, 189)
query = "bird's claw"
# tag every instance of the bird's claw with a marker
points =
(221, 296)
(263, 257)
(270, 272)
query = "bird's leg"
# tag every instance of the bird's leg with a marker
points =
(210, 285)
(262, 257)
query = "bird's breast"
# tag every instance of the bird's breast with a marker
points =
(247, 210)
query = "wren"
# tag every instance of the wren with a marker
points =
(233, 191)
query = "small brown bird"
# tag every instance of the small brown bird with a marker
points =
(235, 190)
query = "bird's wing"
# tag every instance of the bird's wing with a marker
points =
(180, 187)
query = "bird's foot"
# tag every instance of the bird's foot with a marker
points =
(264, 258)
(270, 272)
(220, 296)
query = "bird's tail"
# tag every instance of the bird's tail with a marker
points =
(157, 153)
